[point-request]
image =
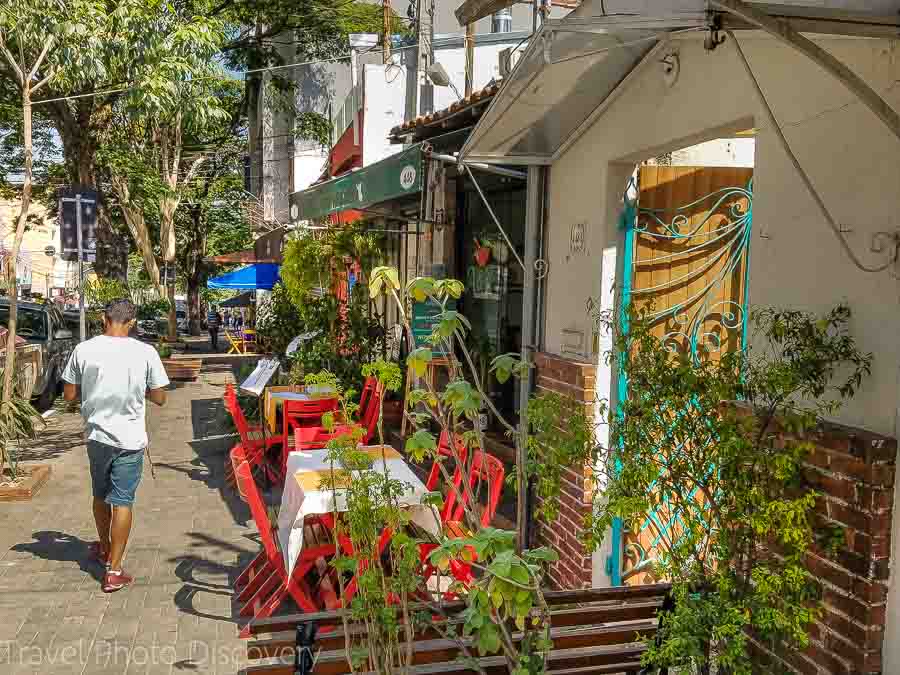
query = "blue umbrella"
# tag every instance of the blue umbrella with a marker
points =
(260, 276)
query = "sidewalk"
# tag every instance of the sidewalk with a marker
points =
(190, 540)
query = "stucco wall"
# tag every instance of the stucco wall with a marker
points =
(796, 261)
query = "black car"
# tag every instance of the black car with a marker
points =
(45, 326)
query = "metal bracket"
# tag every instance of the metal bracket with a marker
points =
(304, 659)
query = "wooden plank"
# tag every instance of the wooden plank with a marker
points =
(622, 594)
(599, 659)
(561, 619)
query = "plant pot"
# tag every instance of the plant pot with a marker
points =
(32, 479)
(182, 369)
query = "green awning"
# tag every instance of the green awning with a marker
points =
(396, 176)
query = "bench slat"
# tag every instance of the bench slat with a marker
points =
(283, 642)
(625, 594)
(622, 658)
(614, 639)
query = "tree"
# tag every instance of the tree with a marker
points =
(182, 96)
(36, 46)
(213, 224)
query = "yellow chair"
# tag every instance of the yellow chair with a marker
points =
(236, 342)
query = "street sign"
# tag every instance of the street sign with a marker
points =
(68, 223)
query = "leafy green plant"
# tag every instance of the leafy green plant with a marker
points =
(19, 421)
(504, 595)
(730, 476)
(346, 334)
(152, 309)
(164, 350)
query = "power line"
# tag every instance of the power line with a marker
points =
(210, 77)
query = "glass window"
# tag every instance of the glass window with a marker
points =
(31, 324)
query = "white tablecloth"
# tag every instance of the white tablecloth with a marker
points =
(297, 503)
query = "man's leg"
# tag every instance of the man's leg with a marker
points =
(101, 457)
(103, 519)
(119, 531)
(124, 480)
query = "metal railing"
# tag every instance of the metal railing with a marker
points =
(343, 116)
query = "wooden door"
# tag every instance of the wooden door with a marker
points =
(689, 267)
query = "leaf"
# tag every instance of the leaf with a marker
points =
(419, 443)
(420, 288)
(418, 360)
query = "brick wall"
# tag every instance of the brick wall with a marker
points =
(574, 379)
(854, 471)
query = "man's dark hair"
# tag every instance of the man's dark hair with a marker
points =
(120, 311)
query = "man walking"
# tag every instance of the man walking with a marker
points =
(213, 321)
(114, 375)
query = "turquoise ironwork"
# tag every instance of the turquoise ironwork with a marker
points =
(725, 245)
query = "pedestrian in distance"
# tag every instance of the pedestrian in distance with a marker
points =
(114, 375)
(213, 322)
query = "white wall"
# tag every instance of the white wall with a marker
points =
(486, 67)
(795, 260)
(384, 108)
(735, 152)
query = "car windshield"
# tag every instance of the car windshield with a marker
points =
(31, 323)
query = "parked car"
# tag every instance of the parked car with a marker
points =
(43, 325)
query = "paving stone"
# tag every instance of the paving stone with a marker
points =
(187, 545)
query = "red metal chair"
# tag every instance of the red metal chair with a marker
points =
(311, 438)
(268, 584)
(460, 455)
(256, 444)
(485, 470)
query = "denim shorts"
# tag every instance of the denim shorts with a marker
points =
(115, 473)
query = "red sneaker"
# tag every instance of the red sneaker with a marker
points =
(116, 581)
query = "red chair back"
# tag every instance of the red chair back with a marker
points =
(488, 469)
(459, 456)
(233, 407)
(368, 388)
(249, 492)
(369, 417)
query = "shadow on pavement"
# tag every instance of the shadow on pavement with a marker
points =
(188, 566)
(61, 547)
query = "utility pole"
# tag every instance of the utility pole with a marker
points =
(470, 57)
(425, 35)
(386, 40)
(81, 322)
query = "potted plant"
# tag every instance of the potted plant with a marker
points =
(482, 253)
(19, 421)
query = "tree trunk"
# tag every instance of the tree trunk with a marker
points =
(134, 219)
(196, 274)
(10, 361)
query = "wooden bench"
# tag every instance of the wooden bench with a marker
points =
(593, 631)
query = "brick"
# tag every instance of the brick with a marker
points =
(833, 486)
(830, 662)
(854, 607)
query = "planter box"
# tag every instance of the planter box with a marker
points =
(34, 478)
(182, 369)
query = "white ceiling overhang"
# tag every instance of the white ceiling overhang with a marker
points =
(575, 66)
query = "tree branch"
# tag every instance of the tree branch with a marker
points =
(12, 61)
(40, 59)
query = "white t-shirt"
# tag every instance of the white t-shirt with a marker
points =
(114, 374)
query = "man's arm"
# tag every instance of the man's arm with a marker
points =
(158, 396)
(157, 380)
(71, 377)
